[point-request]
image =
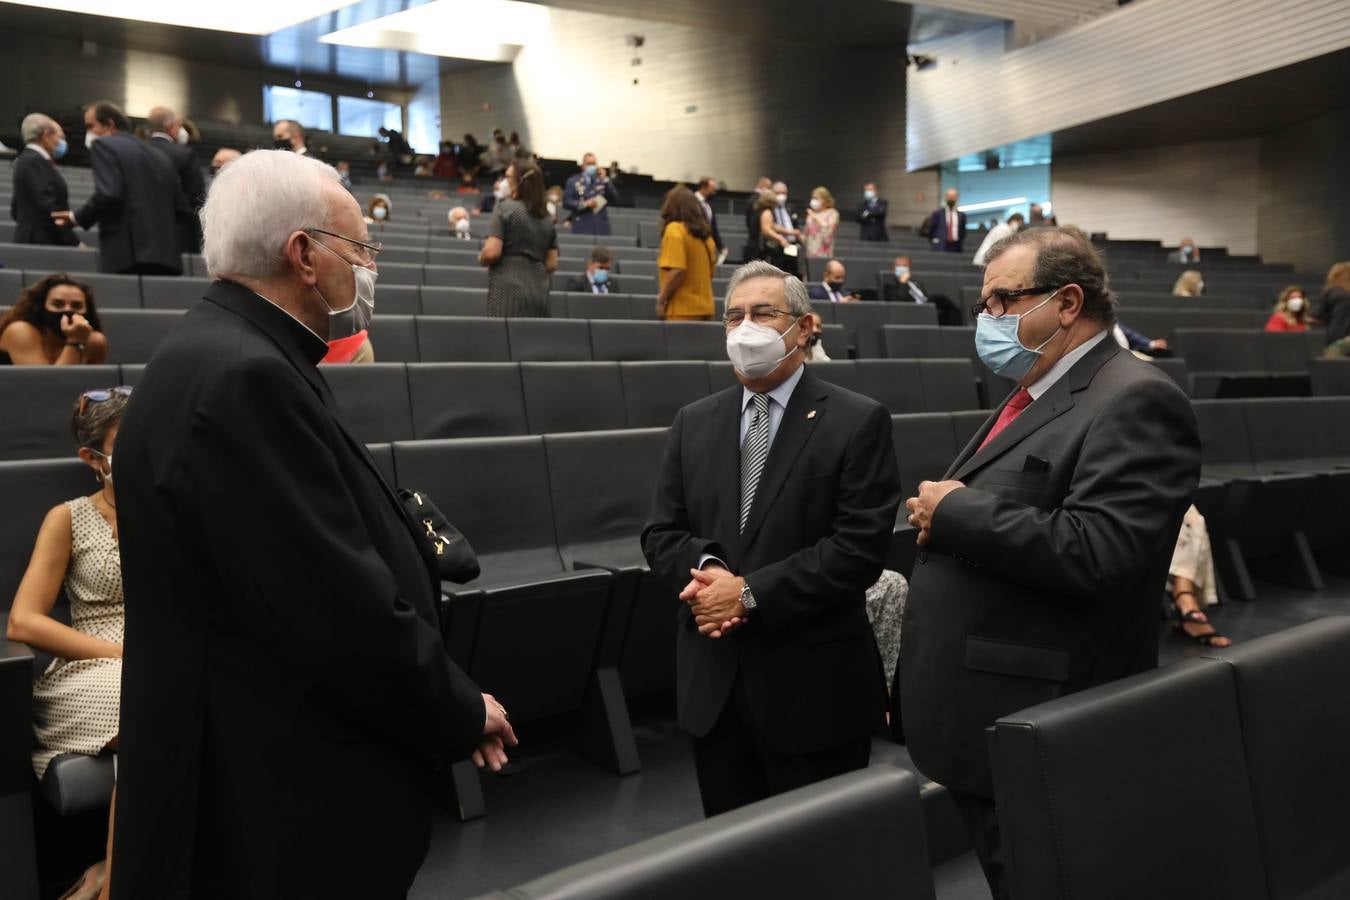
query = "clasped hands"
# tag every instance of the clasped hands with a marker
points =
(714, 597)
(497, 736)
(922, 507)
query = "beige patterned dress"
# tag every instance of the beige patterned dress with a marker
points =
(75, 703)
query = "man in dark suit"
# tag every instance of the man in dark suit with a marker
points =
(1042, 550)
(39, 188)
(286, 695)
(947, 225)
(773, 511)
(586, 194)
(707, 189)
(902, 287)
(871, 216)
(165, 130)
(137, 202)
(831, 286)
(596, 279)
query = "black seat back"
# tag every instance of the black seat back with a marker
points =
(549, 340)
(560, 397)
(31, 488)
(653, 392)
(624, 340)
(462, 339)
(948, 385)
(373, 399)
(133, 334)
(894, 383)
(459, 400)
(36, 405)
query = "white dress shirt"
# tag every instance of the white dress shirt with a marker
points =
(39, 149)
(1066, 362)
(996, 234)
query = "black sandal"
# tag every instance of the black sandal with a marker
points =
(1196, 617)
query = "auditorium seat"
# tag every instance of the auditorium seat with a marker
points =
(623, 340)
(913, 341)
(548, 340)
(133, 334)
(452, 276)
(643, 307)
(12, 282)
(398, 299)
(948, 385)
(859, 835)
(18, 850)
(448, 301)
(110, 291)
(36, 258)
(402, 254)
(459, 400)
(170, 292)
(1330, 377)
(395, 338)
(383, 454)
(894, 383)
(373, 400)
(695, 340)
(559, 397)
(460, 339)
(925, 446)
(1098, 790)
(31, 488)
(841, 372)
(653, 392)
(36, 404)
(597, 306)
(966, 424)
(453, 253)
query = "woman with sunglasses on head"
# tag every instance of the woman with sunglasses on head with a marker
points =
(76, 700)
(55, 323)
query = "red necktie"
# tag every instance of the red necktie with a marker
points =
(1016, 403)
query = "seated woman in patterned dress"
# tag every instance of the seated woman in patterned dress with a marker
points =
(76, 700)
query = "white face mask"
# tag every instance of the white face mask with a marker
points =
(182, 135)
(815, 203)
(462, 226)
(106, 476)
(362, 308)
(1294, 304)
(782, 199)
(89, 138)
(379, 213)
(552, 208)
(755, 350)
(500, 190)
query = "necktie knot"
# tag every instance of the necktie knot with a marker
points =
(761, 402)
(1020, 400)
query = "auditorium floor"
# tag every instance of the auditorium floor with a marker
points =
(560, 809)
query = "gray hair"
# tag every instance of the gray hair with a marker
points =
(98, 419)
(794, 292)
(34, 126)
(1065, 255)
(254, 205)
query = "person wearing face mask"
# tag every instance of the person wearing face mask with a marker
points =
(75, 699)
(596, 279)
(996, 234)
(553, 202)
(520, 251)
(1187, 254)
(138, 202)
(54, 323)
(822, 221)
(831, 287)
(169, 136)
(773, 511)
(459, 223)
(501, 190)
(871, 216)
(39, 187)
(1042, 548)
(586, 194)
(687, 260)
(288, 134)
(903, 287)
(1291, 311)
(946, 227)
(307, 651)
(378, 210)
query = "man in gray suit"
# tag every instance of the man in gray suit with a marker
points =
(1043, 551)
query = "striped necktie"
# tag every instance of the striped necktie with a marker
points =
(754, 450)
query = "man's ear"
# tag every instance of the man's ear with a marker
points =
(300, 253)
(1070, 304)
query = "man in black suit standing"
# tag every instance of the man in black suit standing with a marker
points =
(137, 201)
(167, 135)
(286, 697)
(947, 225)
(596, 279)
(1042, 550)
(772, 514)
(39, 188)
(871, 216)
(707, 189)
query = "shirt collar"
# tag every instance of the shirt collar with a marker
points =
(1066, 362)
(780, 395)
(164, 135)
(39, 149)
(310, 347)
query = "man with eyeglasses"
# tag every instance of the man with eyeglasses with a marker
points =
(286, 696)
(774, 509)
(1043, 550)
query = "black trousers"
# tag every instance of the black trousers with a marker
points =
(981, 822)
(736, 767)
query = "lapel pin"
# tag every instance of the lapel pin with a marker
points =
(811, 414)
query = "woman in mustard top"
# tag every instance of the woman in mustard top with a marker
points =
(687, 260)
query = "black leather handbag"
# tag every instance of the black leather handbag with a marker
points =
(454, 557)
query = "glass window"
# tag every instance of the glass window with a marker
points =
(359, 116)
(311, 109)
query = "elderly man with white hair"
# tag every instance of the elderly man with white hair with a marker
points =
(39, 188)
(286, 696)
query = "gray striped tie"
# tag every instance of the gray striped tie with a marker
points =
(754, 450)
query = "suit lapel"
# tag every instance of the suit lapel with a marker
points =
(726, 455)
(804, 411)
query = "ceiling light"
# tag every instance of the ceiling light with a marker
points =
(489, 30)
(241, 16)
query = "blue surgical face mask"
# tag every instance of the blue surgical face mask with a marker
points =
(600, 276)
(591, 169)
(60, 149)
(901, 271)
(869, 195)
(1001, 349)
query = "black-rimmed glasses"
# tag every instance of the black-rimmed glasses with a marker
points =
(996, 304)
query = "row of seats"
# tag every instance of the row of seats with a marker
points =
(1221, 776)
(397, 402)
(1330, 377)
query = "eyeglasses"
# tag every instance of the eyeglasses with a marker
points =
(760, 315)
(372, 249)
(99, 396)
(996, 304)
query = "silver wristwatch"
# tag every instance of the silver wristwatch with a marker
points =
(747, 598)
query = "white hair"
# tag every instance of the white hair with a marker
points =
(34, 126)
(794, 292)
(254, 205)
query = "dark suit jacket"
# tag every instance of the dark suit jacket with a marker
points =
(193, 182)
(137, 205)
(286, 692)
(582, 285)
(937, 227)
(818, 292)
(712, 222)
(39, 191)
(871, 218)
(895, 292)
(1042, 575)
(577, 190)
(817, 534)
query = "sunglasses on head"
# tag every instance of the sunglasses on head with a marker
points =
(99, 396)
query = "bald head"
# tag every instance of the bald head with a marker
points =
(161, 118)
(224, 156)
